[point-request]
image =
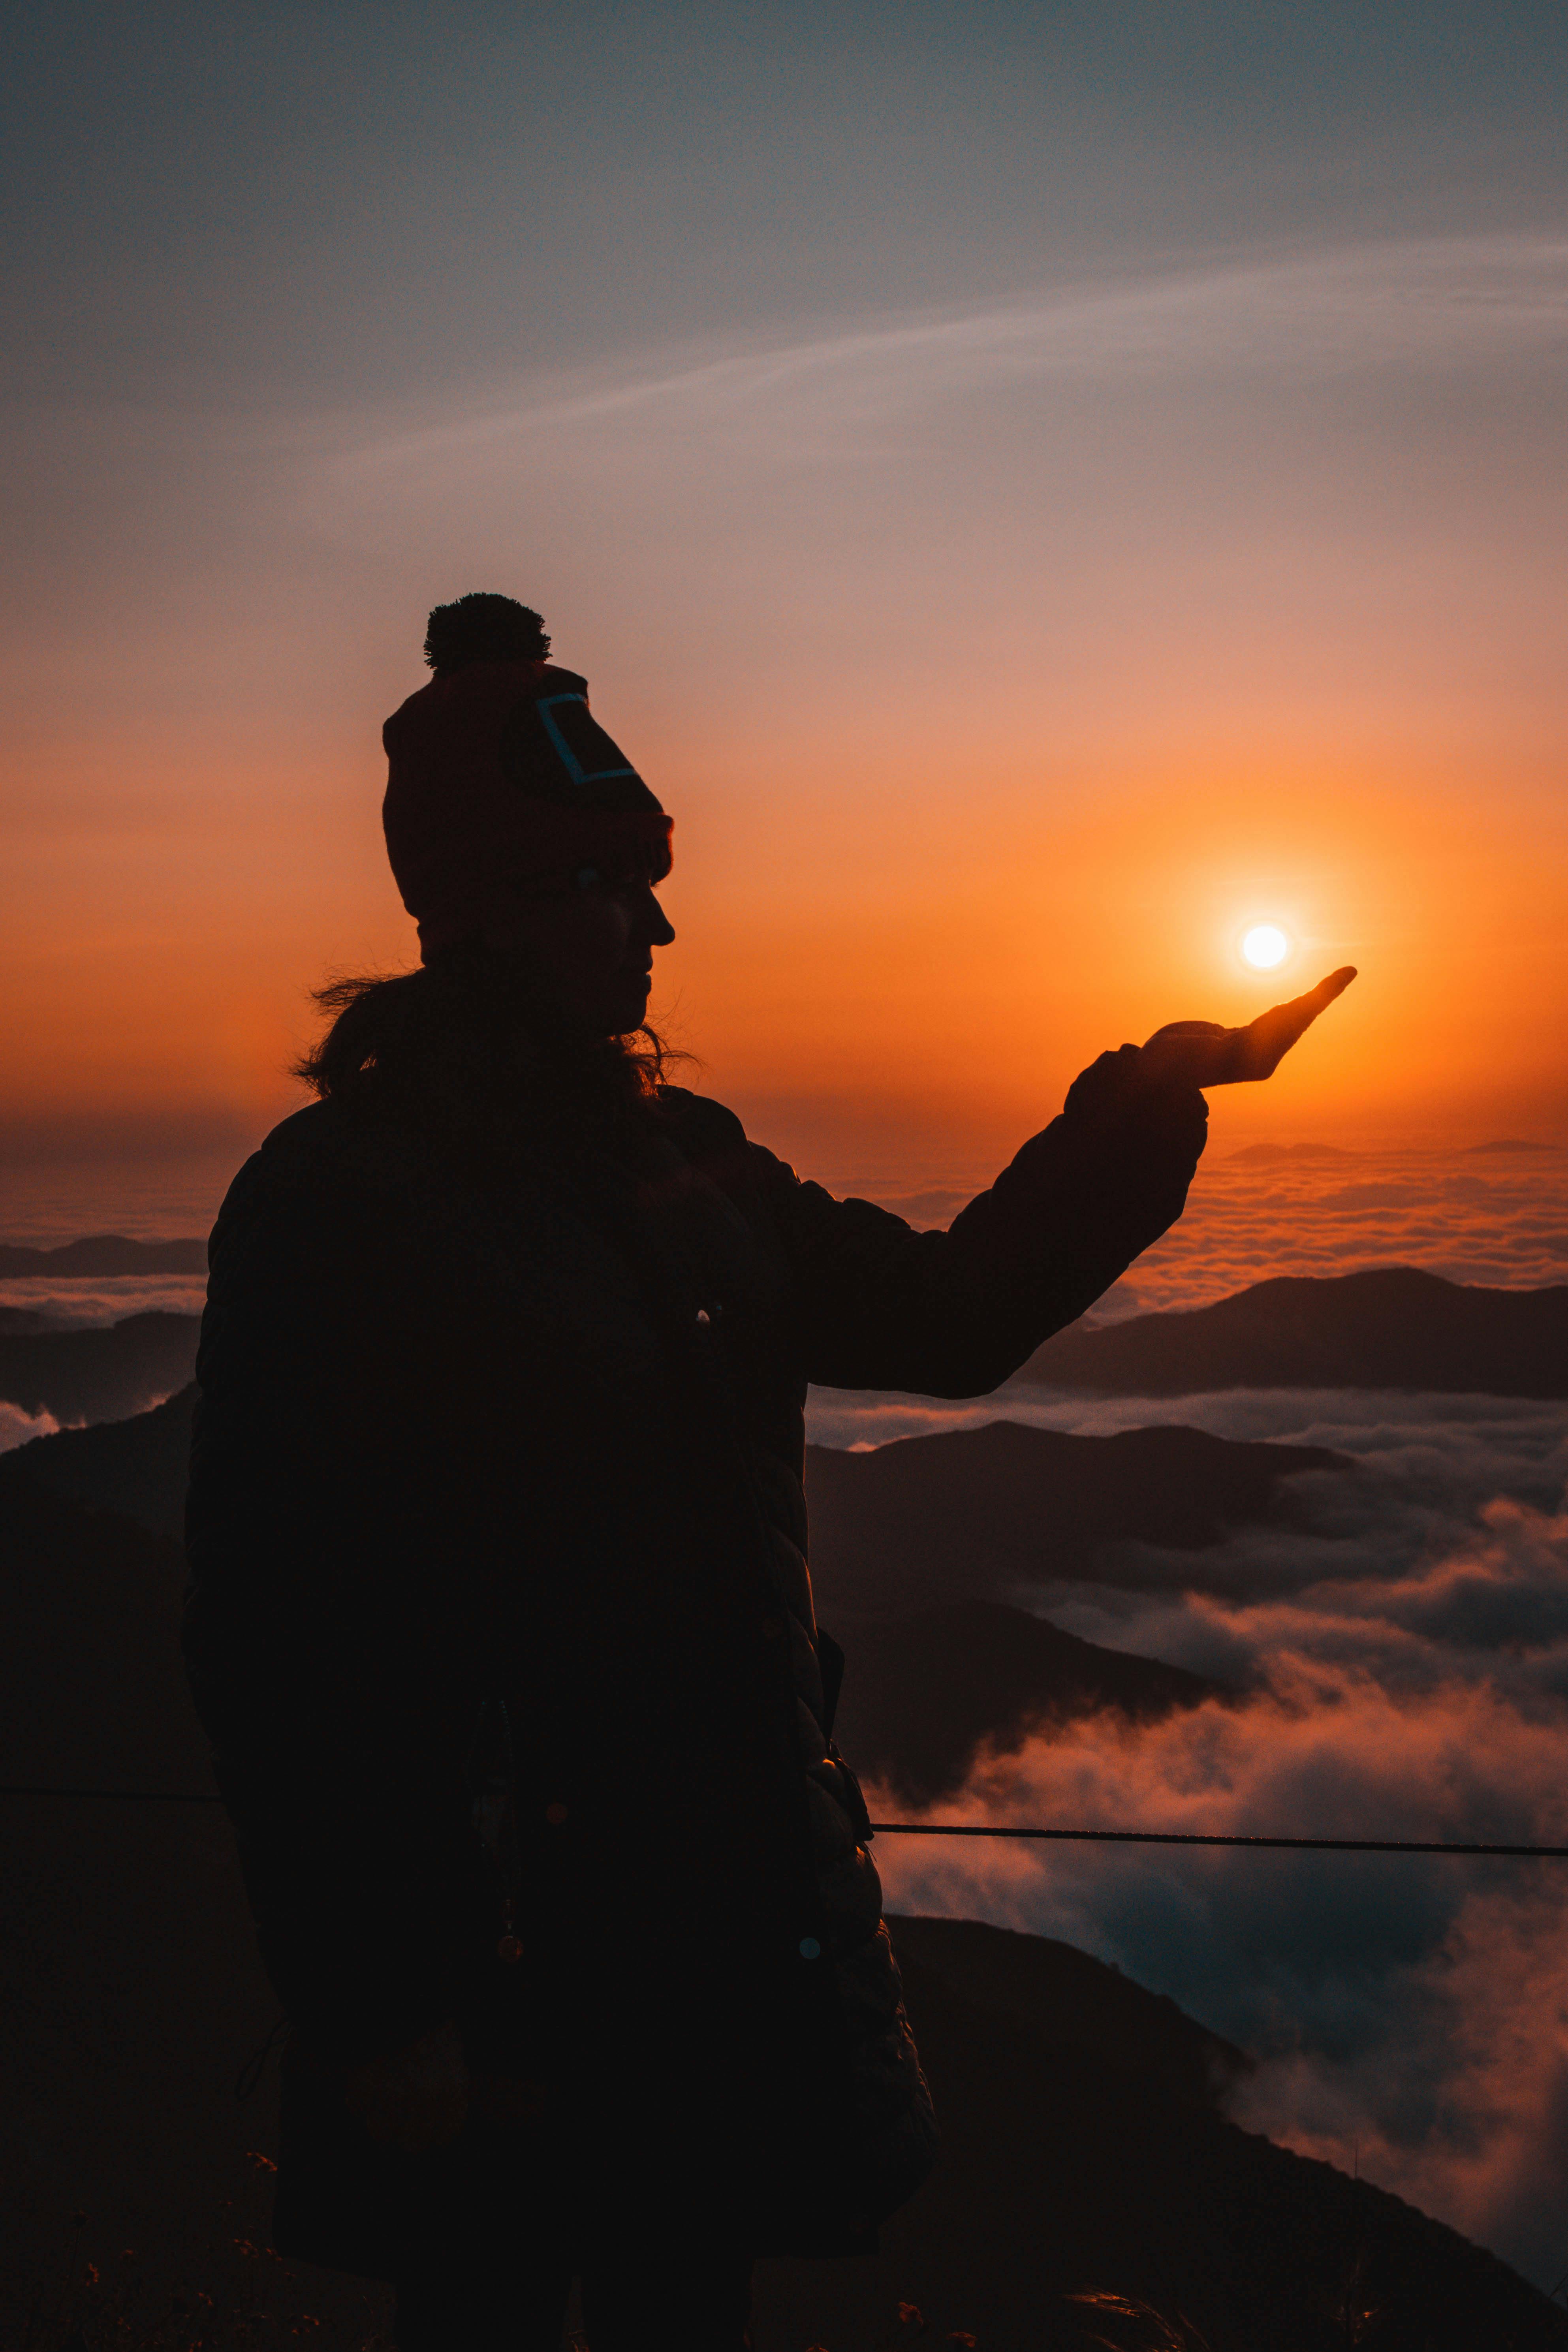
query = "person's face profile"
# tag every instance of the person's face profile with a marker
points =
(589, 943)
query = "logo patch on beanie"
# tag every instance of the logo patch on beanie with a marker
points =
(580, 743)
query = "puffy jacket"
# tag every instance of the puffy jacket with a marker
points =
(497, 1524)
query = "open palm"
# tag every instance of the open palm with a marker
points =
(1207, 1056)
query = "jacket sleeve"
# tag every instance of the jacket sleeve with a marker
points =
(875, 1305)
(302, 1558)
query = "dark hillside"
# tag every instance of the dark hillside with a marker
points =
(102, 1373)
(1069, 2002)
(922, 1694)
(137, 1467)
(1072, 2160)
(1394, 1329)
(91, 1687)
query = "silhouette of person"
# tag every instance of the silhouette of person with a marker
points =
(500, 1620)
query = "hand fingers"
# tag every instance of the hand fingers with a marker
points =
(1335, 985)
(1302, 1010)
(1297, 1015)
(1269, 1038)
(1306, 1009)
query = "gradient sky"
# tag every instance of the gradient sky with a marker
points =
(1034, 488)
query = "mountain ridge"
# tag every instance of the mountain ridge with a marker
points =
(105, 1254)
(1392, 1328)
(985, 1512)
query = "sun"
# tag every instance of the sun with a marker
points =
(1265, 947)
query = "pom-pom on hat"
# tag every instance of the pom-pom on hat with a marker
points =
(500, 779)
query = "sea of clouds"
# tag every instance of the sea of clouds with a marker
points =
(1496, 1215)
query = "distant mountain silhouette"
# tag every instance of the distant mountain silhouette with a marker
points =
(1510, 1143)
(1397, 1328)
(105, 1254)
(922, 1694)
(1084, 2141)
(1264, 1155)
(975, 1513)
(103, 1373)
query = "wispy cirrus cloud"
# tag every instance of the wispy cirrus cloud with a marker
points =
(1422, 303)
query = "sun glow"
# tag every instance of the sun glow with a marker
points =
(1265, 947)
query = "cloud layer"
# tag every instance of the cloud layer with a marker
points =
(1495, 1217)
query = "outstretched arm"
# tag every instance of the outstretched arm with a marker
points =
(874, 1303)
(870, 1303)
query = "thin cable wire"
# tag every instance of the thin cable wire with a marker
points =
(1196, 1837)
(967, 1829)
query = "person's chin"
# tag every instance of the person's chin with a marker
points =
(631, 1008)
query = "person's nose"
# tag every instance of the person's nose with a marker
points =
(660, 929)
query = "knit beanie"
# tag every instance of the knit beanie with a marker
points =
(500, 780)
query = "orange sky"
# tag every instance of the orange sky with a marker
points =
(1002, 647)
(905, 975)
